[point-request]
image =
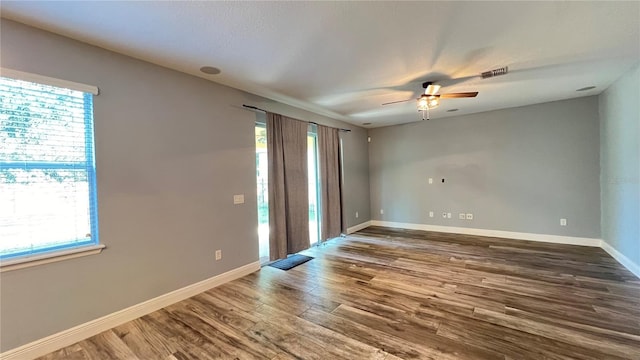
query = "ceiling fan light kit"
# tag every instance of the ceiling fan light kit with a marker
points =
(428, 102)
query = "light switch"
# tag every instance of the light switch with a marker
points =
(238, 199)
(430, 180)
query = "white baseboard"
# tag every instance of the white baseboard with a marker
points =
(358, 227)
(625, 261)
(83, 331)
(558, 239)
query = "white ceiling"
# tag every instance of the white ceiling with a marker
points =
(344, 59)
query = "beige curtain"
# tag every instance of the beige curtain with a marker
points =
(330, 189)
(288, 186)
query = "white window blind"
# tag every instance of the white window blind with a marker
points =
(47, 169)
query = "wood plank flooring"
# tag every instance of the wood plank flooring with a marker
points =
(399, 294)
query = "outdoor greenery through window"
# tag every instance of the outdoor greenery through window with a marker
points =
(47, 169)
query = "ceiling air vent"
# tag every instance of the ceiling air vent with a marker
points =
(495, 72)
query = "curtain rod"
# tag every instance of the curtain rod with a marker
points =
(310, 122)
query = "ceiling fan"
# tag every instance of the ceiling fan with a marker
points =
(431, 99)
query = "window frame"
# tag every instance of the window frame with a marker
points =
(72, 249)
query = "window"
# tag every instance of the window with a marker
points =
(47, 168)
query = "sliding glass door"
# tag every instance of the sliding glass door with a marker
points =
(314, 189)
(262, 169)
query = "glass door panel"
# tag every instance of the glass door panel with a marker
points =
(314, 191)
(263, 192)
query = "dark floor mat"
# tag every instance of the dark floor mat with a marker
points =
(290, 262)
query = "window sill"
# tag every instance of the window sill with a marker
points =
(28, 261)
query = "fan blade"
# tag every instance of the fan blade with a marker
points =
(459, 95)
(396, 102)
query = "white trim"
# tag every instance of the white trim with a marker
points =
(358, 227)
(78, 333)
(559, 239)
(55, 256)
(46, 80)
(625, 261)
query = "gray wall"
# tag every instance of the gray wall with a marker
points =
(356, 185)
(620, 164)
(171, 150)
(518, 169)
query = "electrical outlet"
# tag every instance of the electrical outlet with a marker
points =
(238, 199)
(461, 216)
(381, 211)
(563, 222)
(218, 254)
(357, 215)
(430, 180)
(448, 215)
(469, 216)
(430, 213)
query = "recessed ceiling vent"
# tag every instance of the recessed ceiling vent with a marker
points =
(495, 72)
(210, 70)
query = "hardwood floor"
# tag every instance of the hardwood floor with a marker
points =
(400, 294)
